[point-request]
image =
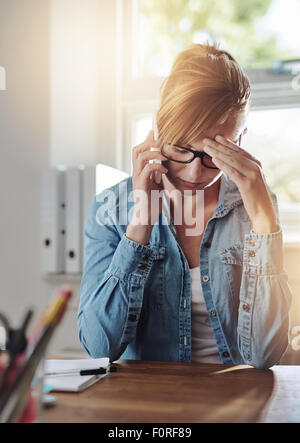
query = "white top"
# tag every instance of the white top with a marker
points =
(204, 346)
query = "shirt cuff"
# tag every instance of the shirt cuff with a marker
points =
(263, 253)
(130, 258)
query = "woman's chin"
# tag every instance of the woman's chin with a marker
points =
(182, 185)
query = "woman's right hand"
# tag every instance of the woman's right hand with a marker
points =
(143, 182)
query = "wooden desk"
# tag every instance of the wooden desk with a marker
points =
(168, 392)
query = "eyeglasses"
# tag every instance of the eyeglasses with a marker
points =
(180, 154)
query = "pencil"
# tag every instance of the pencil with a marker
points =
(65, 292)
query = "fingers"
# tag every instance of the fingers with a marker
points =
(238, 167)
(227, 167)
(146, 145)
(149, 168)
(144, 177)
(150, 137)
(229, 161)
(142, 154)
(144, 158)
(142, 169)
(230, 149)
(229, 144)
(226, 142)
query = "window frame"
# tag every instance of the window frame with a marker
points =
(139, 95)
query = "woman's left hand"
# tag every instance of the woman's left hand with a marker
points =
(246, 172)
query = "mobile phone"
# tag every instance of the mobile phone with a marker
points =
(157, 174)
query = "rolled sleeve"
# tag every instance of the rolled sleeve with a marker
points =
(265, 299)
(263, 253)
(112, 287)
(131, 258)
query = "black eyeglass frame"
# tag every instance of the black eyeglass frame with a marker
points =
(201, 155)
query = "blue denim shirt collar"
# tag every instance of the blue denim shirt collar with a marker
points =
(229, 198)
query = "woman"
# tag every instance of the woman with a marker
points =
(213, 291)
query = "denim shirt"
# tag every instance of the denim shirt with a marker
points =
(135, 300)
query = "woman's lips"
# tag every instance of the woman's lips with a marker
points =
(189, 184)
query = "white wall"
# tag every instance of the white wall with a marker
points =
(83, 72)
(24, 150)
(59, 108)
(83, 105)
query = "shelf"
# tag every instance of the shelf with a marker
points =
(62, 278)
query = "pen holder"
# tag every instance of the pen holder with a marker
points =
(30, 413)
(33, 410)
(32, 398)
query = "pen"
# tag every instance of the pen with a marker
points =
(95, 371)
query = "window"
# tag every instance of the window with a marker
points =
(273, 139)
(156, 30)
(268, 29)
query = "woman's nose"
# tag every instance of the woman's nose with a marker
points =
(195, 169)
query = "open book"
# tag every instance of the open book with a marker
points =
(73, 382)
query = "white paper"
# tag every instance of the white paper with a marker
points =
(74, 383)
(83, 363)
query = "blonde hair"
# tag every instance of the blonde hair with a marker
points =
(205, 86)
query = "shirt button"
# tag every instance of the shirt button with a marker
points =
(225, 354)
(251, 254)
(245, 307)
(251, 243)
(207, 244)
(205, 278)
(213, 313)
(145, 257)
(142, 265)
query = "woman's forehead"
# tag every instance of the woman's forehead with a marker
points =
(231, 131)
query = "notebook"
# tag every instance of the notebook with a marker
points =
(73, 383)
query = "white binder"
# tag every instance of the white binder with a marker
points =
(89, 190)
(95, 180)
(2, 79)
(53, 220)
(106, 176)
(73, 252)
(88, 194)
